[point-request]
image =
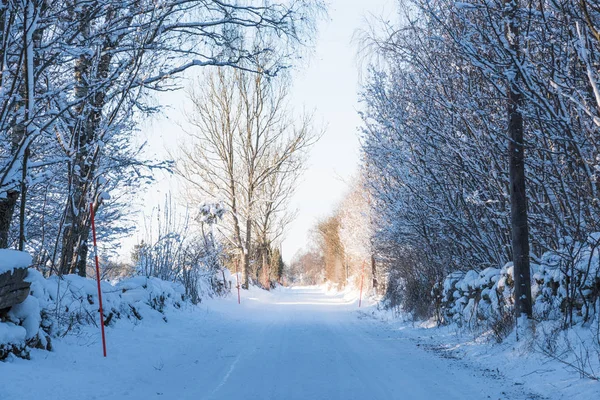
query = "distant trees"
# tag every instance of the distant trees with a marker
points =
(332, 249)
(356, 232)
(461, 91)
(306, 267)
(75, 78)
(276, 267)
(248, 150)
(341, 245)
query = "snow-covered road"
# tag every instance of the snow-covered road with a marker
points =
(292, 344)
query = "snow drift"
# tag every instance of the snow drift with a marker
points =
(57, 306)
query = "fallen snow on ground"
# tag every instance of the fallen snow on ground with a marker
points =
(296, 343)
(519, 363)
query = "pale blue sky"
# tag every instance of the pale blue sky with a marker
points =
(329, 85)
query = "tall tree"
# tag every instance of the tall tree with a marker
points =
(19, 37)
(246, 149)
(76, 74)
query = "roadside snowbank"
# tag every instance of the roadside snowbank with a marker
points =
(351, 293)
(476, 311)
(521, 362)
(57, 306)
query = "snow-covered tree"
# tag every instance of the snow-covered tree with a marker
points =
(436, 134)
(357, 232)
(76, 78)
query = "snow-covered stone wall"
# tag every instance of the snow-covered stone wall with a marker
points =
(566, 281)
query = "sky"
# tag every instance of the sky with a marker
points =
(330, 87)
(327, 84)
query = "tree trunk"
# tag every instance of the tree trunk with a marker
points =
(265, 266)
(76, 231)
(83, 163)
(347, 270)
(30, 34)
(23, 204)
(247, 253)
(518, 197)
(374, 272)
(7, 209)
(83, 249)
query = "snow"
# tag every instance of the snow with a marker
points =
(28, 312)
(477, 298)
(11, 333)
(11, 259)
(56, 307)
(291, 343)
(520, 364)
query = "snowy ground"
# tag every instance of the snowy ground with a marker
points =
(518, 363)
(297, 343)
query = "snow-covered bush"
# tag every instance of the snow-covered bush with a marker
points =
(194, 264)
(435, 133)
(567, 282)
(57, 306)
(178, 255)
(480, 300)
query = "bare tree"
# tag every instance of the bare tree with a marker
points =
(246, 149)
(128, 48)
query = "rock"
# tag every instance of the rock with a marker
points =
(13, 288)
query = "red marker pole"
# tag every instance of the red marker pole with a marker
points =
(362, 278)
(98, 278)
